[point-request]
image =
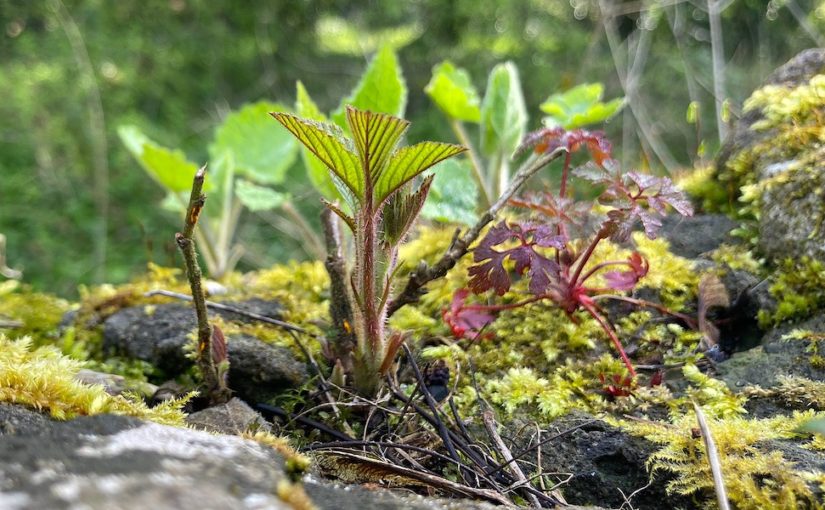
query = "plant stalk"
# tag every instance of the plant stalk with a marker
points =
(214, 387)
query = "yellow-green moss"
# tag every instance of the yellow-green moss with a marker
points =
(44, 379)
(813, 339)
(296, 463)
(702, 185)
(755, 477)
(738, 257)
(799, 288)
(40, 314)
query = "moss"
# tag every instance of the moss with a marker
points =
(294, 495)
(755, 478)
(799, 288)
(296, 463)
(40, 314)
(815, 343)
(797, 392)
(702, 185)
(738, 257)
(44, 379)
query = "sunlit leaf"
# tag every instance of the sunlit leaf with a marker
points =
(258, 198)
(263, 150)
(375, 136)
(451, 89)
(503, 113)
(340, 36)
(168, 167)
(381, 89)
(409, 162)
(579, 106)
(316, 170)
(328, 145)
(454, 193)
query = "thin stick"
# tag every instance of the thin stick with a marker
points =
(270, 411)
(713, 459)
(216, 390)
(10, 324)
(340, 308)
(5, 270)
(718, 59)
(227, 308)
(490, 424)
(461, 244)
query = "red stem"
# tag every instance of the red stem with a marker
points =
(690, 321)
(613, 337)
(602, 265)
(585, 257)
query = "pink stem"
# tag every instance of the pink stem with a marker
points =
(613, 337)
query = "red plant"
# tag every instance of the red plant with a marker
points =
(562, 277)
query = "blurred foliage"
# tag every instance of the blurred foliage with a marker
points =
(76, 208)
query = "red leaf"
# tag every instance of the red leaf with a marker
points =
(219, 352)
(465, 322)
(626, 280)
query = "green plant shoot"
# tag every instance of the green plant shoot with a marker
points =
(374, 176)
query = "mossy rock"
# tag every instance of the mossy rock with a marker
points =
(773, 163)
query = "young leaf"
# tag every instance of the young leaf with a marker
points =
(316, 171)
(328, 145)
(454, 193)
(451, 89)
(638, 267)
(375, 136)
(401, 211)
(381, 89)
(579, 106)
(263, 151)
(168, 167)
(258, 198)
(408, 162)
(503, 113)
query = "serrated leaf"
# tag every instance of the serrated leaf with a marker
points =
(408, 162)
(375, 136)
(258, 198)
(401, 211)
(451, 90)
(328, 145)
(168, 167)
(453, 195)
(381, 89)
(316, 171)
(503, 113)
(579, 106)
(263, 150)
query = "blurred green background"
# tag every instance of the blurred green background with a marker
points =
(77, 209)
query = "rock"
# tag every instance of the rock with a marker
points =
(257, 370)
(19, 420)
(601, 461)
(761, 365)
(114, 384)
(109, 462)
(233, 417)
(690, 237)
(789, 175)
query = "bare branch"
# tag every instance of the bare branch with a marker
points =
(424, 274)
(215, 387)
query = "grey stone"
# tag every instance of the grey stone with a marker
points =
(761, 365)
(233, 417)
(257, 370)
(111, 462)
(601, 460)
(690, 237)
(19, 420)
